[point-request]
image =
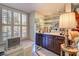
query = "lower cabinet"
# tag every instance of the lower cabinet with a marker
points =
(39, 39)
(50, 42)
(44, 41)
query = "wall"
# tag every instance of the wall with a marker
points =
(32, 26)
(0, 26)
(68, 7)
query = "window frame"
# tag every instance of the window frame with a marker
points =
(12, 22)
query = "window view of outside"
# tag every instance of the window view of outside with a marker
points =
(24, 33)
(18, 25)
(4, 16)
(24, 19)
(16, 31)
(16, 18)
(6, 32)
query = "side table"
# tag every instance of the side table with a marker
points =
(69, 51)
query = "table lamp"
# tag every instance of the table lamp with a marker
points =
(67, 21)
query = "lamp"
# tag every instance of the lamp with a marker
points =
(67, 21)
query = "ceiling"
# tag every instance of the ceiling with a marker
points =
(42, 8)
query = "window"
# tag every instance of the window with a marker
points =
(6, 32)
(24, 25)
(24, 18)
(17, 24)
(16, 31)
(4, 16)
(6, 24)
(9, 16)
(16, 18)
(24, 33)
(14, 24)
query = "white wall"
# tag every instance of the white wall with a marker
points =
(32, 26)
(68, 7)
(0, 26)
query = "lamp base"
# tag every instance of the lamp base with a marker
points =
(66, 38)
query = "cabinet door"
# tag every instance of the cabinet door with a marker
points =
(44, 41)
(58, 41)
(39, 39)
(57, 48)
(47, 39)
(36, 41)
(55, 44)
(50, 42)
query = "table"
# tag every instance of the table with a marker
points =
(69, 51)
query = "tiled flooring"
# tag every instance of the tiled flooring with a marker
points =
(44, 52)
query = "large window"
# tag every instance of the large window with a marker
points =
(6, 24)
(9, 16)
(16, 18)
(14, 24)
(24, 32)
(6, 32)
(24, 19)
(4, 16)
(17, 24)
(16, 31)
(24, 25)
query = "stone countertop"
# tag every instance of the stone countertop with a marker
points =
(57, 34)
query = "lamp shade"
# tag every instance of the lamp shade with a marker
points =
(67, 20)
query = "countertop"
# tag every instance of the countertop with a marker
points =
(56, 33)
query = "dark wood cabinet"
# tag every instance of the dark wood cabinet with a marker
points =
(50, 42)
(58, 40)
(39, 39)
(44, 41)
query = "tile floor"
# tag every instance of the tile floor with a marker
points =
(43, 52)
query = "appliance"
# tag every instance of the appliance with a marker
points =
(67, 21)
